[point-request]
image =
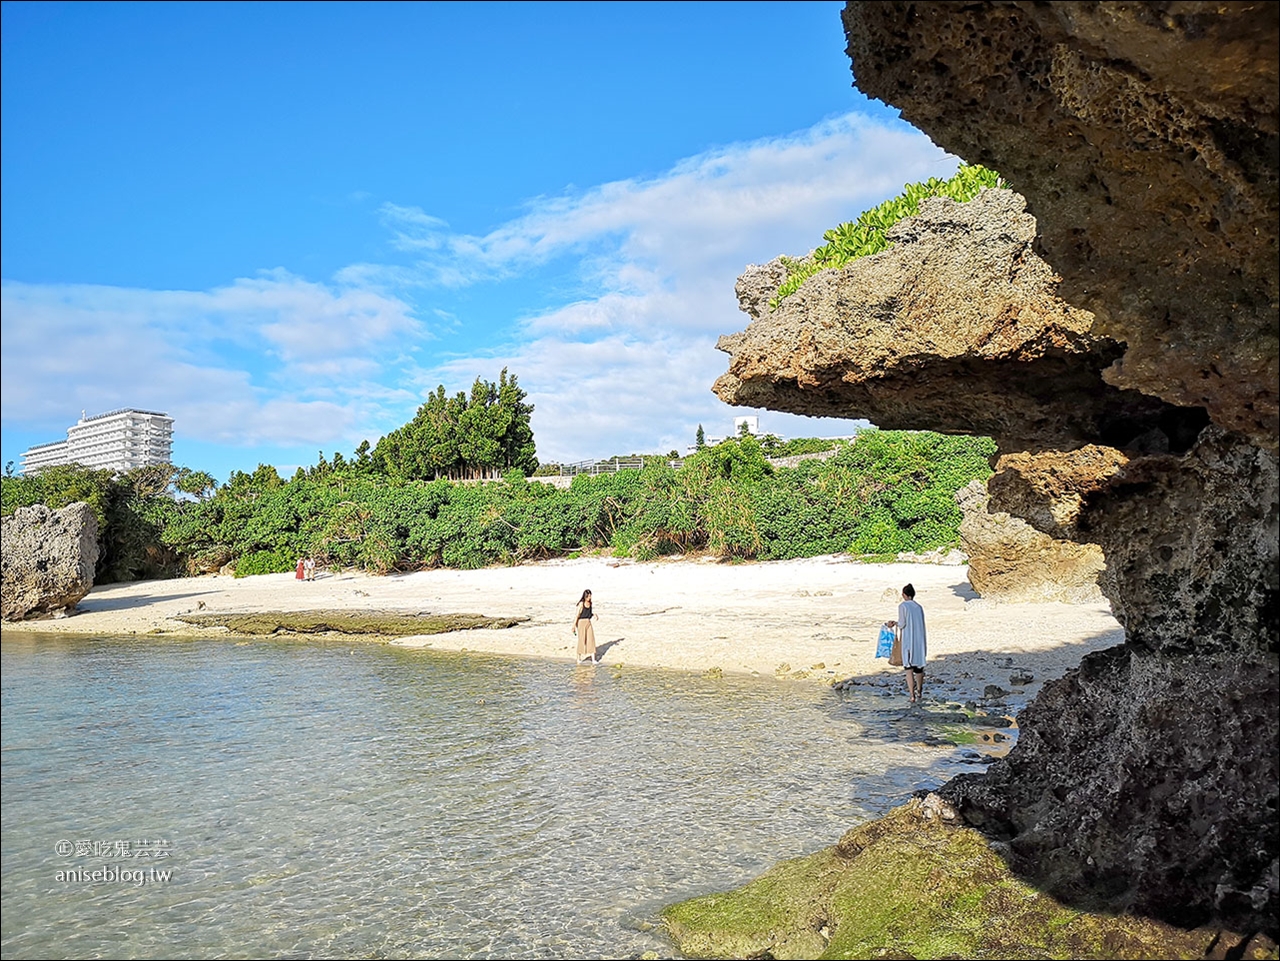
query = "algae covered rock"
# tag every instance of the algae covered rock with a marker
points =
(915, 884)
(376, 623)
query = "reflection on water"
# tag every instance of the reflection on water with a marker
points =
(324, 800)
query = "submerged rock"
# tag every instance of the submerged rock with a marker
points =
(48, 560)
(380, 623)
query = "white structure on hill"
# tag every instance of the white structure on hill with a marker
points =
(118, 440)
(750, 421)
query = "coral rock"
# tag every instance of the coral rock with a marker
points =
(1137, 365)
(1012, 561)
(957, 328)
(1143, 136)
(48, 560)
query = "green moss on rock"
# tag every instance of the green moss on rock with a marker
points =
(912, 885)
(380, 623)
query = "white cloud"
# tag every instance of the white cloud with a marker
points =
(73, 347)
(630, 367)
(622, 362)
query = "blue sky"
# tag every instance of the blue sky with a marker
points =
(285, 224)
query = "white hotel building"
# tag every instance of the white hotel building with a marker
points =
(118, 440)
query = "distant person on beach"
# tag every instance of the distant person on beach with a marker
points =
(302, 569)
(309, 567)
(912, 638)
(582, 627)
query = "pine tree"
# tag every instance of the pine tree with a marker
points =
(478, 435)
(700, 439)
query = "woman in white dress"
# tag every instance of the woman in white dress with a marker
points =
(911, 636)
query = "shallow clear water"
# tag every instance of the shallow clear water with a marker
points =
(319, 799)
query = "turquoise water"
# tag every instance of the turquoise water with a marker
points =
(319, 799)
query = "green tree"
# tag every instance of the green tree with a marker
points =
(700, 438)
(483, 434)
(242, 486)
(151, 480)
(518, 448)
(199, 484)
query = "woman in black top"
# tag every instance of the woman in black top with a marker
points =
(582, 627)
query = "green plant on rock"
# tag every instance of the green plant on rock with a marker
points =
(868, 234)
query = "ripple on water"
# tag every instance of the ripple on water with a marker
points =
(324, 801)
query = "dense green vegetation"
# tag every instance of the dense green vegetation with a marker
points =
(478, 436)
(775, 447)
(132, 510)
(866, 235)
(888, 492)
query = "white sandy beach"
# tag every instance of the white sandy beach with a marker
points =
(817, 616)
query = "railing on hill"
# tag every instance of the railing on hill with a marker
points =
(611, 465)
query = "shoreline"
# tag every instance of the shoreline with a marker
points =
(811, 620)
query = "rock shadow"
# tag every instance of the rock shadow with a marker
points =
(91, 604)
(964, 677)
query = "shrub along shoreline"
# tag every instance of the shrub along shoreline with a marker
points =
(885, 493)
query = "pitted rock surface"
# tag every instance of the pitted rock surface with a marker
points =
(48, 559)
(1144, 137)
(956, 327)
(1135, 401)
(1171, 800)
(1048, 489)
(1012, 561)
(1193, 556)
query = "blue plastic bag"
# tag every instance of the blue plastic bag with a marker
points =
(884, 646)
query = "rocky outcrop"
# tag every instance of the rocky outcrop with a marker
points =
(1010, 560)
(958, 325)
(1135, 783)
(1134, 401)
(1144, 137)
(366, 623)
(1048, 489)
(48, 559)
(918, 884)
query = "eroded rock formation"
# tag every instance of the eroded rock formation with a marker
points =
(960, 299)
(48, 559)
(1134, 401)
(1011, 560)
(958, 326)
(1144, 137)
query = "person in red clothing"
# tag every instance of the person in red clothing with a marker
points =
(301, 573)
